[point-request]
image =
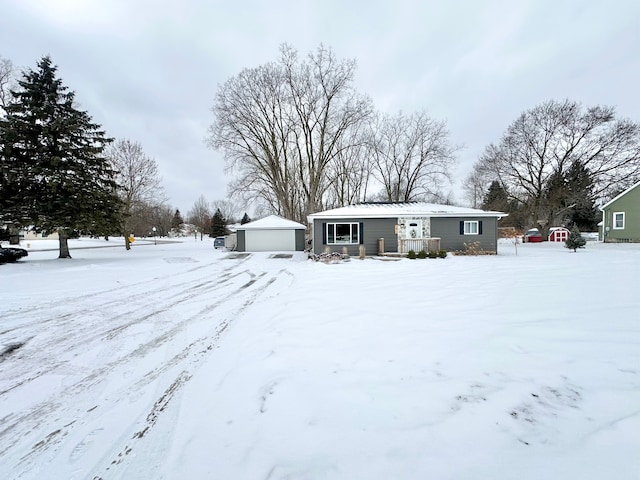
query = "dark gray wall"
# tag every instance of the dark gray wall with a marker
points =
(372, 230)
(448, 229)
(240, 243)
(300, 240)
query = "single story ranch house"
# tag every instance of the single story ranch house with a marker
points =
(396, 228)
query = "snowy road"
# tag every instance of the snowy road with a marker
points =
(122, 352)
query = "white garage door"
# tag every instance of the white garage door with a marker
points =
(270, 240)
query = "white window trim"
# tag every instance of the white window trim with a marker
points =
(468, 223)
(614, 220)
(351, 242)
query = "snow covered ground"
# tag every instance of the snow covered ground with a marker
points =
(175, 361)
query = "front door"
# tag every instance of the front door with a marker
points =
(414, 229)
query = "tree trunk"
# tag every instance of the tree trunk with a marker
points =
(127, 243)
(14, 236)
(64, 246)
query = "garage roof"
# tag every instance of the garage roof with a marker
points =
(272, 222)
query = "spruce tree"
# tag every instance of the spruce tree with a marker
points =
(496, 198)
(580, 191)
(218, 224)
(177, 221)
(245, 219)
(575, 240)
(53, 175)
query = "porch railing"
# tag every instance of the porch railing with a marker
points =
(431, 244)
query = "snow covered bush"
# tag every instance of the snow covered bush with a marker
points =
(474, 248)
(329, 257)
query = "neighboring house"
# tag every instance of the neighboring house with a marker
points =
(31, 235)
(621, 217)
(270, 234)
(400, 227)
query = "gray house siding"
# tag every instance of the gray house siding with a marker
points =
(448, 230)
(372, 230)
(627, 204)
(240, 243)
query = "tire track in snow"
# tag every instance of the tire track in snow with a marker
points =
(72, 333)
(119, 292)
(161, 404)
(188, 359)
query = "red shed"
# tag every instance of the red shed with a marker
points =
(558, 234)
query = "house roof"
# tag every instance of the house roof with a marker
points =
(621, 195)
(386, 210)
(272, 222)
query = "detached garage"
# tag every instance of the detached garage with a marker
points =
(271, 234)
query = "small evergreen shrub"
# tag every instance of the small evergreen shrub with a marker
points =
(575, 240)
(422, 254)
(411, 254)
(442, 254)
(433, 254)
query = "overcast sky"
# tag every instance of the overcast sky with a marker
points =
(148, 70)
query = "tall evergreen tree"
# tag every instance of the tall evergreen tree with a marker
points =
(53, 175)
(245, 219)
(218, 224)
(177, 222)
(579, 184)
(496, 198)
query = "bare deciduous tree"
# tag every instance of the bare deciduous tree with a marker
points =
(228, 208)
(281, 127)
(412, 157)
(349, 175)
(475, 187)
(546, 140)
(7, 82)
(139, 184)
(200, 215)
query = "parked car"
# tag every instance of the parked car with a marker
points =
(533, 235)
(218, 242)
(8, 255)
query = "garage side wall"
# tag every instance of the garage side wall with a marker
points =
(300, 240)
(241, 244)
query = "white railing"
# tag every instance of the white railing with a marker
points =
(431, 244)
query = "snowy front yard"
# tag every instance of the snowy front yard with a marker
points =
(174, 361)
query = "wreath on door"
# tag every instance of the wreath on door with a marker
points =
(413, 233)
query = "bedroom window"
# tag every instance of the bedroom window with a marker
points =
(471, 228)
(618, 220)
(343, 233)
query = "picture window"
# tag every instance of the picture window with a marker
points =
(343, 233)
